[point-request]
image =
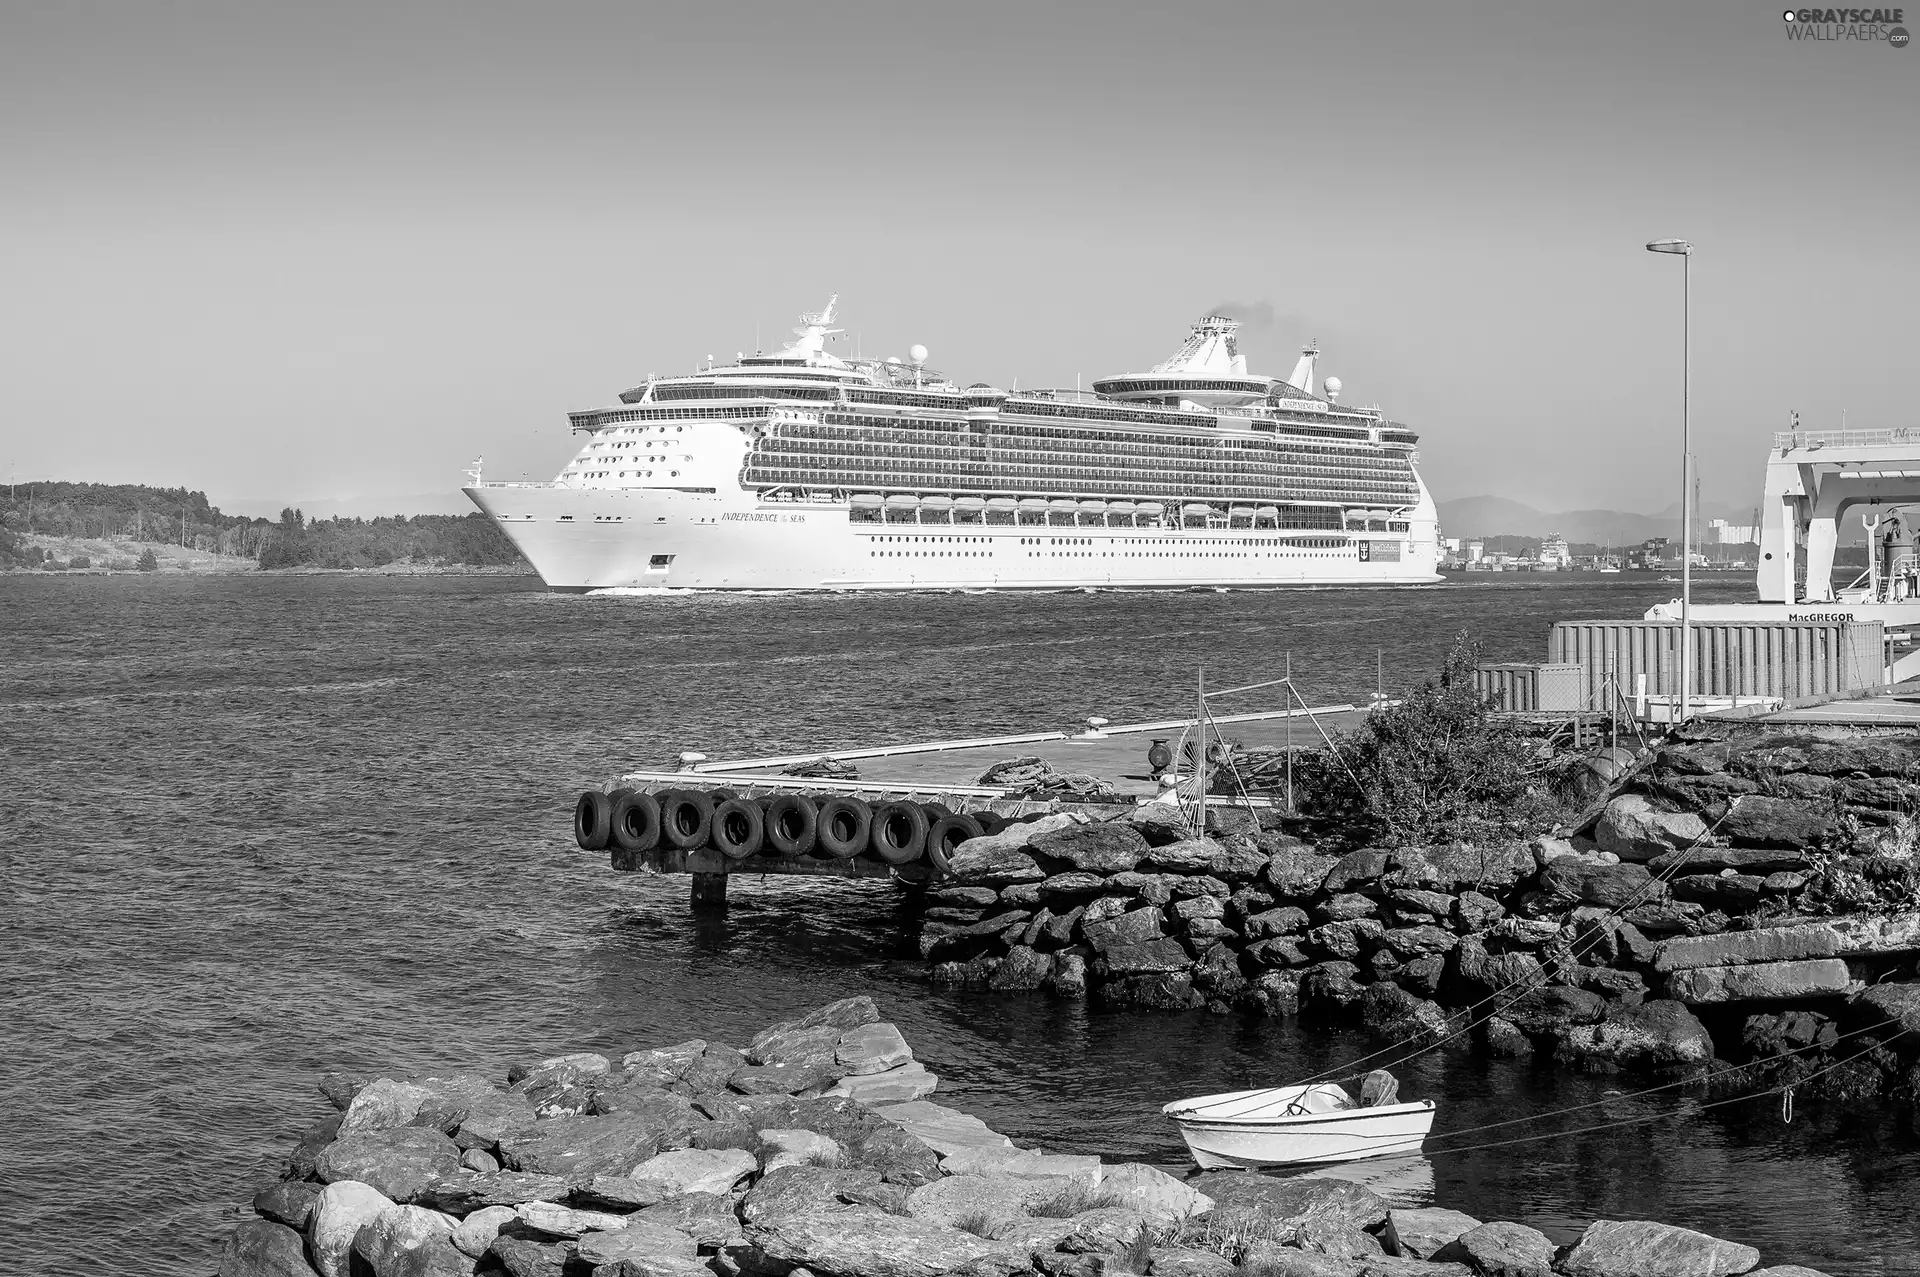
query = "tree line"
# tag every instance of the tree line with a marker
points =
(177, 516)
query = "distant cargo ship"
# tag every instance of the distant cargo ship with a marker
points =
(803, 470)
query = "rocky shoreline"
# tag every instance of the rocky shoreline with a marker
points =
(1739, 896)
(813, 1152)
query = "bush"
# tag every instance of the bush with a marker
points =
(1435, 767)
(79, 561)
(149, 561)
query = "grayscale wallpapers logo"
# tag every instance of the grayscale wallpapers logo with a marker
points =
(1868, 26)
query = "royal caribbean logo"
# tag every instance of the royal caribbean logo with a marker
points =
(1865, 25)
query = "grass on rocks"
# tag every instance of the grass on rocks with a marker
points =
(1074, 1199)
(979, 1223)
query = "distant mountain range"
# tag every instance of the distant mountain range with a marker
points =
(1499, 516)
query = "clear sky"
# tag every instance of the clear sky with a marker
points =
(278, 251)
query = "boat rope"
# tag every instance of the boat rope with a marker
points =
(1697, 1079)
(1786, 1106)
(1526, 983)
(1414, 1145)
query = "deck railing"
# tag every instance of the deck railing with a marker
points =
(1897, 436)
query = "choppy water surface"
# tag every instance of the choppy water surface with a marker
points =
(256, 829)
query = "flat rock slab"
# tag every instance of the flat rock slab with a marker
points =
(1893, 933)
(1421, 1233)
(872, 1048)
(896, 1086)
(1019, 1163)
(1298, 1199)
(858, 1239)
(1761, 982)
(946, 1131)
(699, 1170)
(1636, 1248)
(998, 1197)
(1737, 948)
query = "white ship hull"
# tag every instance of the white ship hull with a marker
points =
(588, 539)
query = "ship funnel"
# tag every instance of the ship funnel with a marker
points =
(1302, 379)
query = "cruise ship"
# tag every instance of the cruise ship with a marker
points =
(805, 470)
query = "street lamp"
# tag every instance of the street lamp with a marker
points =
(1685, 250)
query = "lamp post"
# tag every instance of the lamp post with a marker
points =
(1685, 250)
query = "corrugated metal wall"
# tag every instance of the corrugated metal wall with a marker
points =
(1521, 686)
(1785, 658)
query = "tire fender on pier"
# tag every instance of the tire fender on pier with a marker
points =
(793, 824)
(739, 828)
(948, 833)
(636, 822)
(686, 818)
(593, 820)
(899, 833)
(844, 826)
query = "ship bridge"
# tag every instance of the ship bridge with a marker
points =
(1814, 477)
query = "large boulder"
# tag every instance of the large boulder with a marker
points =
(1361, 870)
(410, 1241)
(287, 1202)
(846, 1014)
(262, 1248)
(870, 1049)
(1761, 982)
(396, 1162)
(593, 1144)
(858, 1241)
(1568, 881)
(464, 1194)
(1501, 1249)
(474, 1235)
(339, 1213)
(698, 1170)
(800, 1190)
(561, 1085)
(895, 1086)
(1634, 829)
(1152, 957)
(1637, 1248)
(1152, 1192)
(1758, 820)
(1188, 856)
(1658, 1035)
(638, 1240)
(1105, 847)
(997, 1198)
(1737, 948)
(1293, 1202)
(1893, 1001)
(1711, 860)
(1878, 933)
(1458, 866)
(813, 1046)
(1294, 873)
(1024, 970)
(706, 1218)
(383, 1103)
(1137, 927)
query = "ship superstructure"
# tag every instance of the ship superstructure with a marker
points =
(805, 470)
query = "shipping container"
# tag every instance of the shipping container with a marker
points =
(1771, 658)
(1515, 686)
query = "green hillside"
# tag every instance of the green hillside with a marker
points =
(176, 516)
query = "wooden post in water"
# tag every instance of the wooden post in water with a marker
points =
(1200, 753)
(1290, 731)
(709, 891)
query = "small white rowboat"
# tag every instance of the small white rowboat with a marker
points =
(1287, 1125)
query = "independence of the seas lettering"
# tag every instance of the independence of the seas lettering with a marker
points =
(1868, 25)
